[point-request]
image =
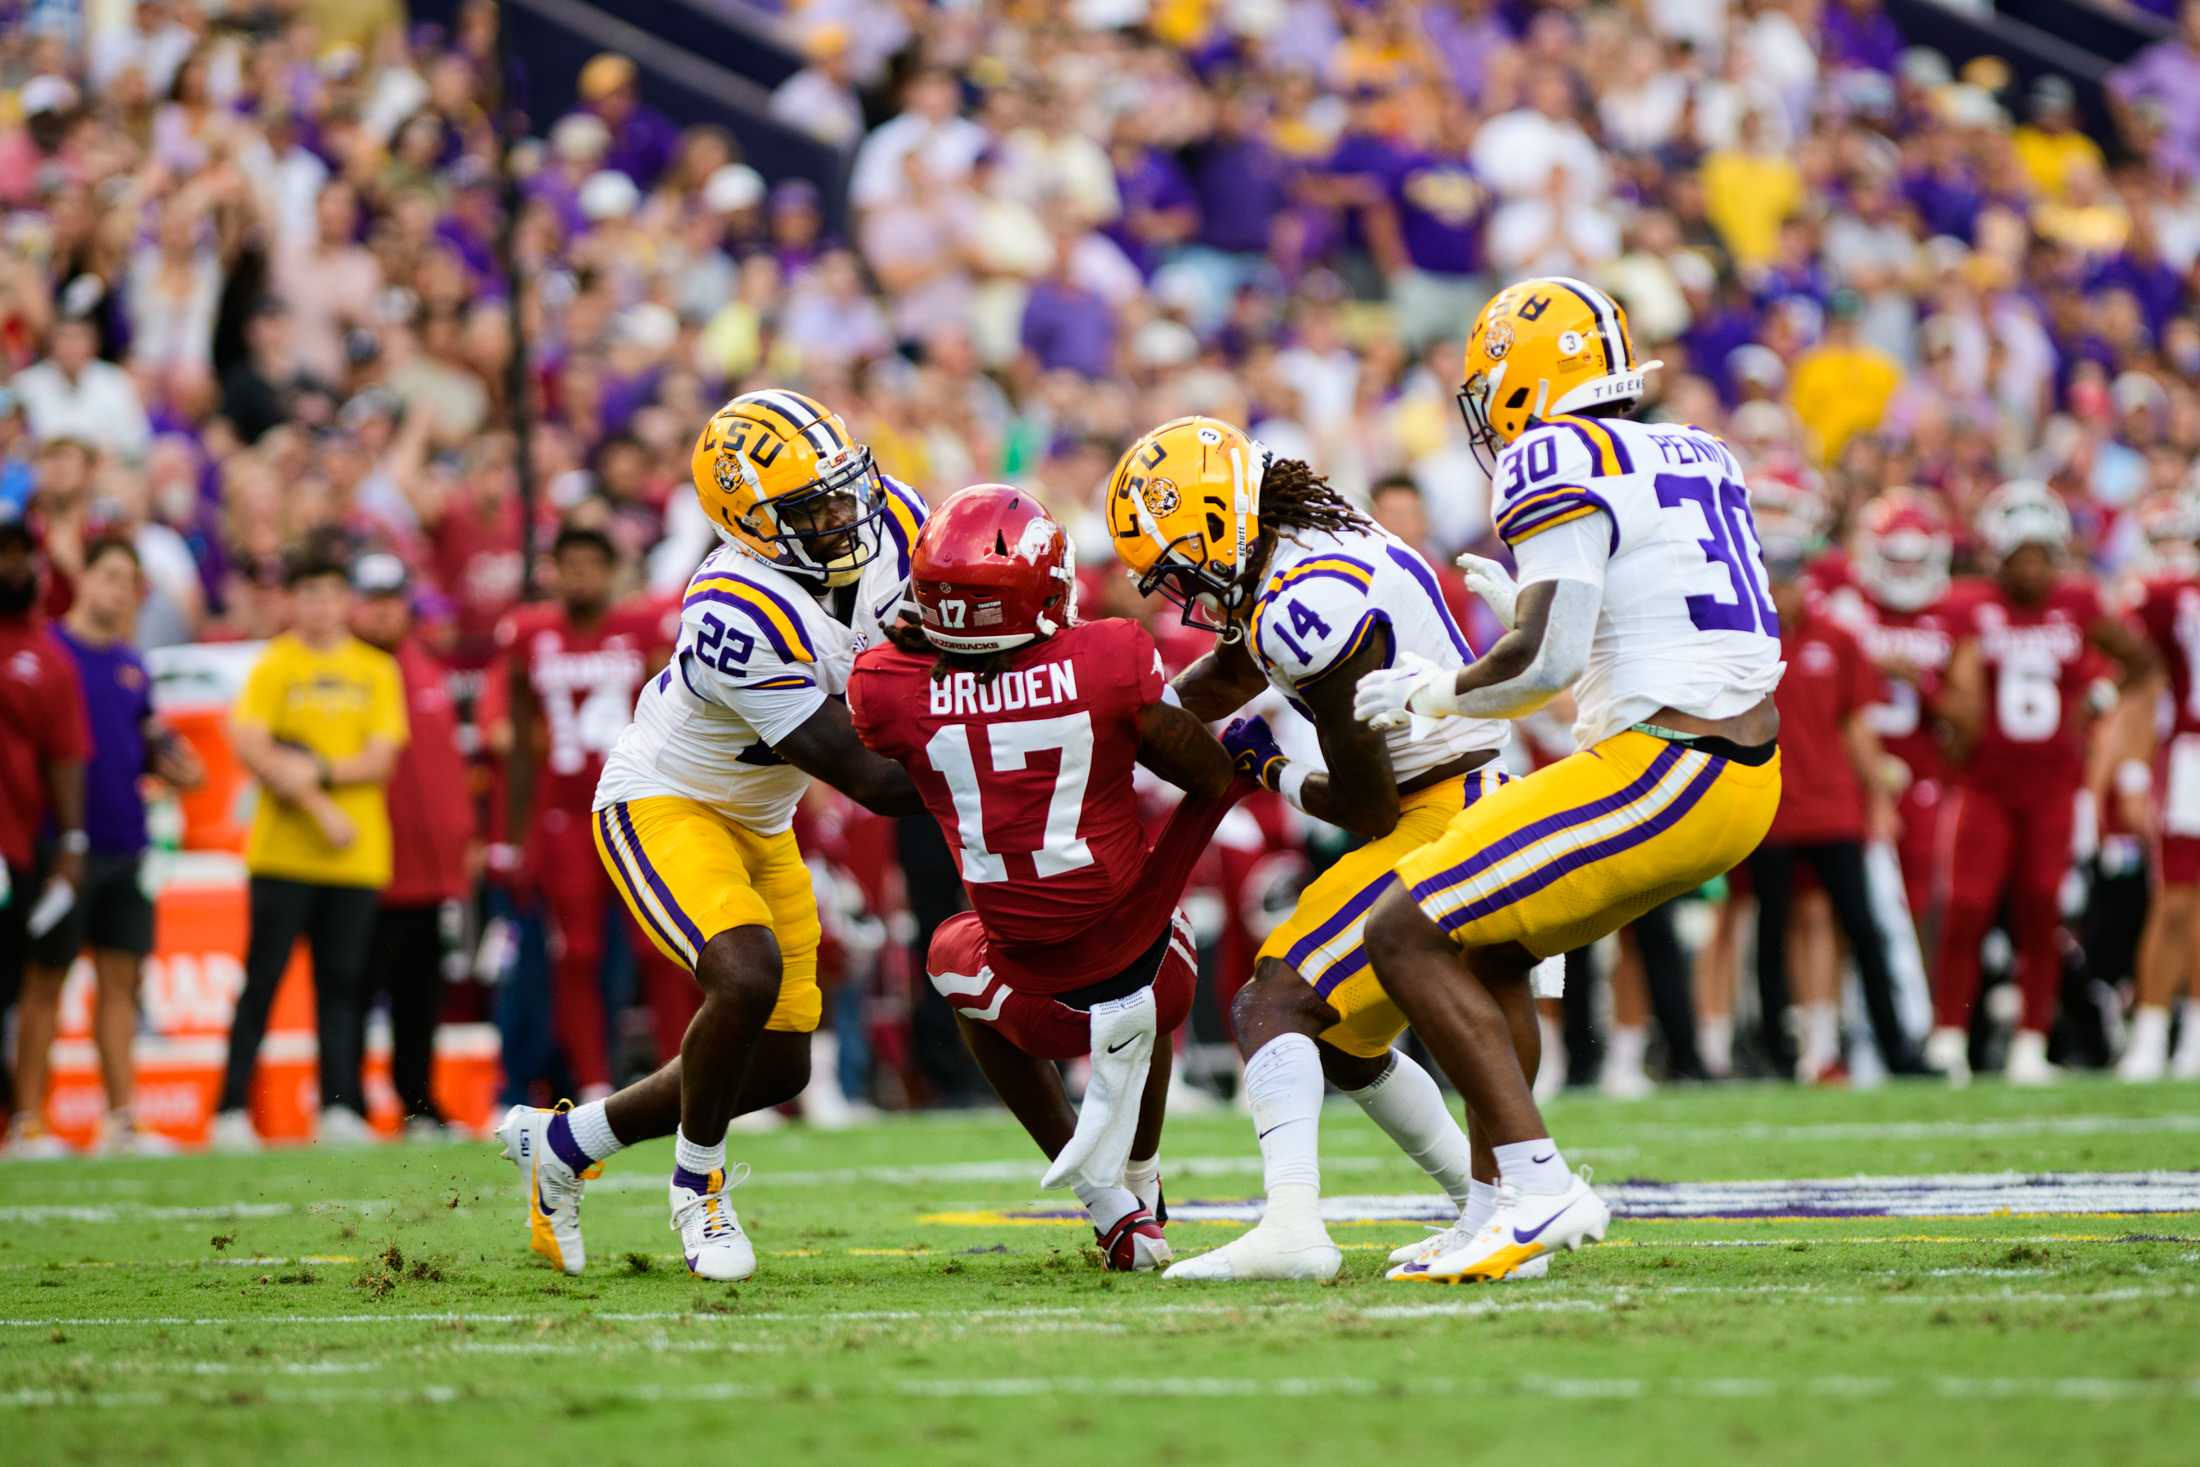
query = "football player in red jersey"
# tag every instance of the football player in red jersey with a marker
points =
(2015, 702)
(573, 667)
(2169, 956)
(1022, 733)
(1900, 606)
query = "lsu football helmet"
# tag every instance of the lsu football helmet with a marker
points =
(778, 475)
(992, 570)
(1541, 348)
(2024, 512)
(1902, 552)
(1184, 517)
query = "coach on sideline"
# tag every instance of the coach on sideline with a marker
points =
(319, 724)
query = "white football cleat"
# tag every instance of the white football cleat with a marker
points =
(553, 1188)
(232, 1131)
(2146, 1053)
(340, 1125)
(710, 1234)
(1444, 1240)
(1266, 1253)
(2027, 1064)
(1949, 1051)
(1528, 1226)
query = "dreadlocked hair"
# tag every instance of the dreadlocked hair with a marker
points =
(987, 665)
(1294, 497)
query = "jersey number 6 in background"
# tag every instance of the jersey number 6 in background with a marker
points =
(1733, 544)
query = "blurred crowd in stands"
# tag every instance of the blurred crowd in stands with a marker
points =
(255, 296)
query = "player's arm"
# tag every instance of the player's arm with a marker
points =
(2127, 735)
(1177, 746)
(1554, 627)
(2136, 660)
(1221, 682)
(825, 747)
(1962, 705)
(1360, 790)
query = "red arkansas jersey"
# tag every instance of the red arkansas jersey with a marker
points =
(1923, 639)
(2037, 673)
(1029, 776)
(2169, 613)
(585, 683)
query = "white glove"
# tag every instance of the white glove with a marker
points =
(1389, 697)
(1488, 580)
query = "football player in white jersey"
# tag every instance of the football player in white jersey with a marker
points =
(1305, 594)
(694, 809)
(1642, 588)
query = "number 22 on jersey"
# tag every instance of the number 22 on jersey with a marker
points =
(1010, 746)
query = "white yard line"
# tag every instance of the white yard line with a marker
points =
(2101, 1390)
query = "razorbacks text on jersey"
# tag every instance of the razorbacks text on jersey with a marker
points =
(2037, 662)
(758, 654)
(1325, 593)
(1029, 775)
(1687, 620)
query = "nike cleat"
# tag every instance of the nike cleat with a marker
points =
(553, 1188)
(1528, 1226)
(710, 1234)
(1445, 1240)
(1266, 1253)
(1134, 1245)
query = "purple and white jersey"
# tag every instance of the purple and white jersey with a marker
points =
(758, 654)
(1687, 620)
(1326, 594)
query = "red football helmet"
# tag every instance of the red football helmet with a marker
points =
(992, 570)
(1902, 552)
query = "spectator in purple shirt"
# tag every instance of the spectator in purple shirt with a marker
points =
(1427, 234)
(112, 915)
(1241, 187)
(1068, 326)
(642, 138)
(1160, 211)
(1859, 33)
(2164, 81)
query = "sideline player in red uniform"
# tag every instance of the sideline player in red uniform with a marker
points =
(573, 668)
(1022, 735)
(2169, 955)
(1900, 606)
(2015, 703)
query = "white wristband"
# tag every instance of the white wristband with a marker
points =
(1291, 784)
(2134, 777)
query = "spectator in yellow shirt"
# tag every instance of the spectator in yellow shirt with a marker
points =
(1841, 386)
(2050, 145)
(1749, 190)
(320, 724)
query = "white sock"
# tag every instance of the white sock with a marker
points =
(1481, 1206)
(2188, 1031)
(1143, 1178)
(1715, 1042)
(1821, 1033)
(1533, 1166)
(701, 1160)
(1108, 1205)
(2150, 1028)
(1628, 1045)
(1284, 1083)
(592, 1130)
(1410, 1109)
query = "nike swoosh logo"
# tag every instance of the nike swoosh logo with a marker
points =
(1114, 1048)
(541, 1206)
(1537, 1231)
(1539, 1160)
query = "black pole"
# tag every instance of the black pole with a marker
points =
(511, 127)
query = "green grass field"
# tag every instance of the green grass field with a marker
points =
(330, 1308)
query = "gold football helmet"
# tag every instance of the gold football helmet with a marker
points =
(1541, 348)
(1184, 516)
(778, 475)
